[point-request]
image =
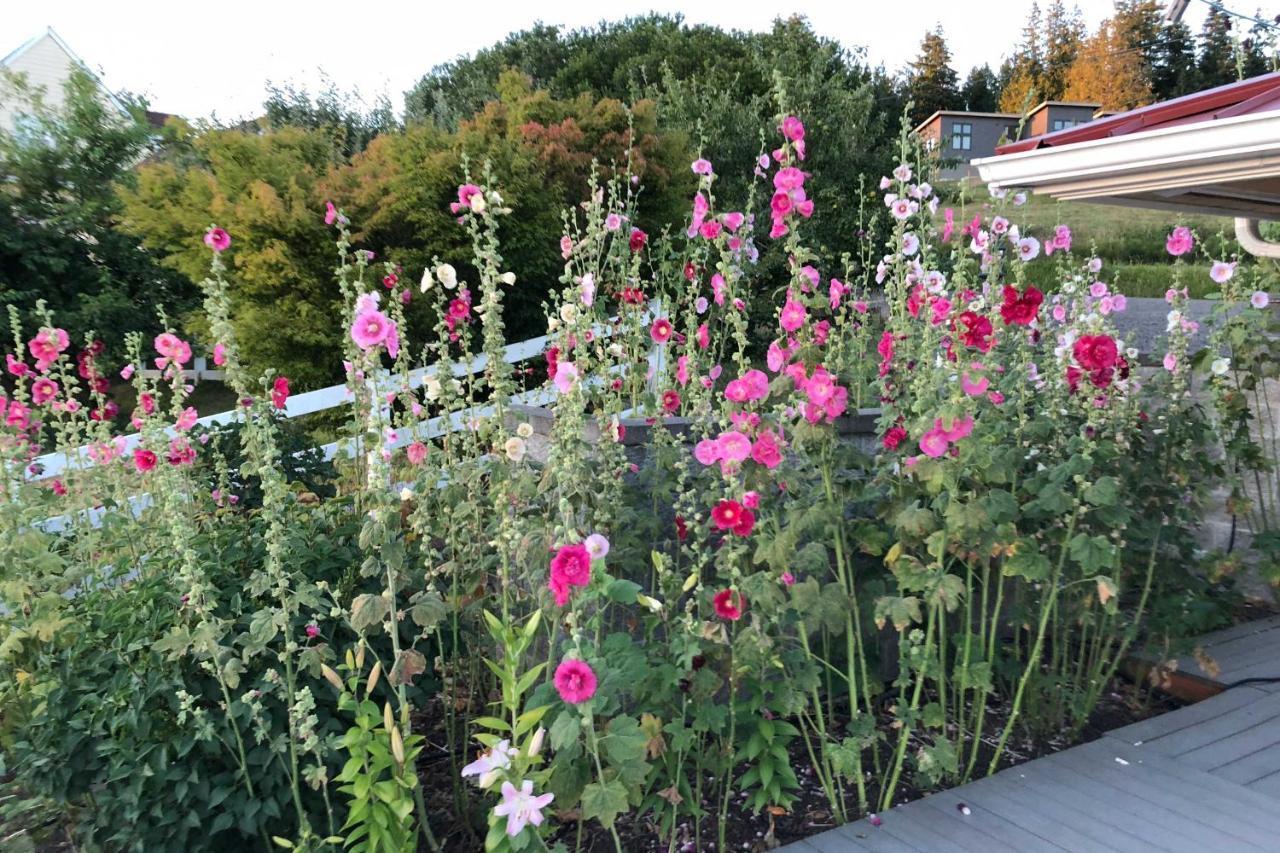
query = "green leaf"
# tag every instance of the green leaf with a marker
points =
(623, 591)
(367, 611)
(1093, 553)
(604, 802)
(1103, 492)
(1027, 562)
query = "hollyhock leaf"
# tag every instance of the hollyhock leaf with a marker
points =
(367, 611)
(915, 521)
(903, 612)
(604, 802)
(1103, 492)
(1092, 552)
(1027, 562)
(1000, 505)
(564, 730)
(948, 593)
(622, 591)
(410, 663)
(428, 609)
(966, 516)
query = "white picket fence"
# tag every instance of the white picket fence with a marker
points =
(57, 464)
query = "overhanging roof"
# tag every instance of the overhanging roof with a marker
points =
(1215, 152)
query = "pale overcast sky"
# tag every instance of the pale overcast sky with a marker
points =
(197, 59)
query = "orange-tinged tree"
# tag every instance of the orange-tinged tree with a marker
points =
(1107, 71)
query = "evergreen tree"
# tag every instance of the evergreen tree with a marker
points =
(980, 93)
(1217, 63)
(1107, 72)
(1173, 63)
(1064, 34)
(932, 82)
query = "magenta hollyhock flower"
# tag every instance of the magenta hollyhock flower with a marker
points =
(575, 681)
(671, 401)
(661, 330)
(701, 166)
(729, 604)
(19, 415)
(144, 460)
(1180, 241)
(734, 446)
(280, 392)
(520, 807)
(707, 451)
(793, 128)
(733, 220)
(570, 567)
(682, 370)
(217, 239)
(974, 387)
(960, 428)
(370, 329)
(792, 316)
(43, 390)
(47, 345)
(766, 450)
(703, 336)
(312, 630)
(187, 419)
(934, 443)
(330, 213)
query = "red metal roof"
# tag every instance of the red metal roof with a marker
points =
(1255, 95)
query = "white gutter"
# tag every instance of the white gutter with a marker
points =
(1249, 141)
(1250, 238)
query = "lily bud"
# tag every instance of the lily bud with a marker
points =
(507, 278)
(388, 719)
(397, 746)
(535, 743)
(373, 677)
(332, 677)
(360, 658)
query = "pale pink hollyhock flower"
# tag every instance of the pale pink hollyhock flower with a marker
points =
(682, 370)
(902, 172)
(999, 225)
(1260, 299)
(126, 373)
(520, 807)
(187, 419)
(933, 443)
(1221, 271)
(700, 305)
(575, 681)
(1170, 362)
(1105, 305)
(910, 244)
(566, 247)
(701, 166)
(1170, 295)
(370, 329)
(597, 546)
(613, 222)
(776, 357)
(217, 239)
(1098, 289)
(1180, 241)
(902, 209)
(1028, 248)
(566, 376)
(1060, 313)
(1119, 302)
(1095, 265)
(588, 290)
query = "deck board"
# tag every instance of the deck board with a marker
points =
(1202, 779)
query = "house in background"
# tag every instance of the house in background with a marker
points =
(959, 136)
(45, 62)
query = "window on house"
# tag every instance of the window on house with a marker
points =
(961, 136)
(1062, 123)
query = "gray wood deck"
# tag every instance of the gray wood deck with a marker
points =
(1202, 779)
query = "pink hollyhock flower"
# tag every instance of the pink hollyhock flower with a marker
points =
(19, 415)
(734, 446)
(570, 567)
(682, 370)
(701, 167)
(370, 329)
(751, 500)
(43, 390)
(280, 392)
(416, 453)
(729, 604)
(1060, 313)
(187, 419)
(313, 630)
(613, 222)
(575, 681)
(219, 355)
(960, 428)
(792, 316)
(787, 579)
(330, 213)
(766, 451)
(566, 247)
(707, 451)
(661, 330)
(728, 514)
(1028, 248)
(1180, 241)
(147, 402)
(144, 460)
(1170, 362)
(934, 443)
(16, 367)
(59, 488)
(995, 397)
(1221, 271)
(1098, 289)
(566, 375)
(893, 438)
(776, 357)
(703, 336)
(47, 345)
(1119, 302)
(710, 230)
(733, 220)
(792, 128)
(588, 293)
(974, 388)
(466, 194)
(521, 807)
(671, 401)
(217, 239)
(1260, 299)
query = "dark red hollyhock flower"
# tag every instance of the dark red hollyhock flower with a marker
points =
(977, 332)
(638, 239)
(729, 604)
(1021, 309)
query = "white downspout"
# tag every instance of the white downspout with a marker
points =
(1250, 238)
